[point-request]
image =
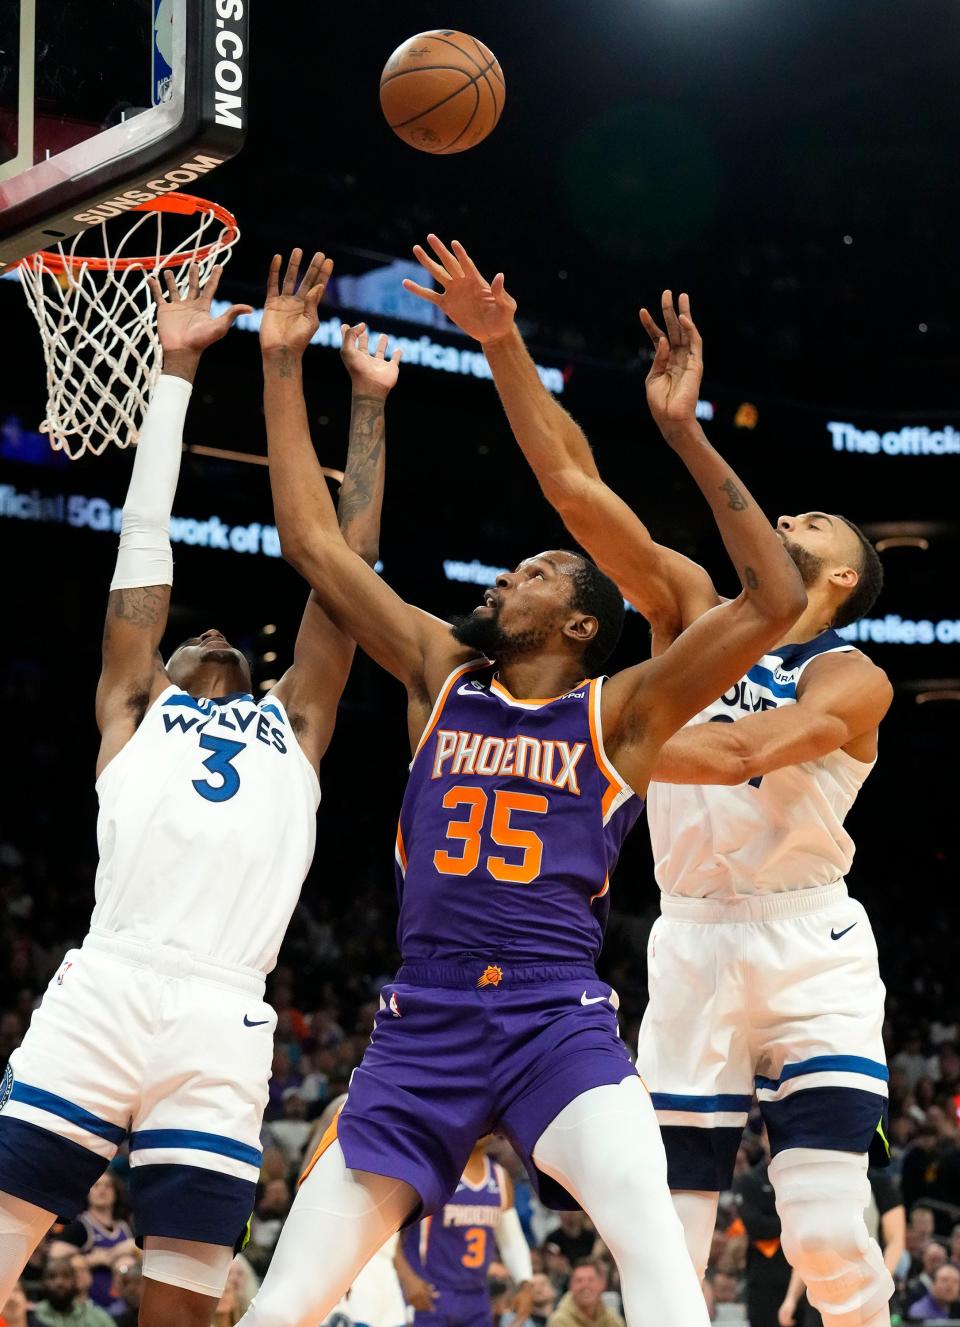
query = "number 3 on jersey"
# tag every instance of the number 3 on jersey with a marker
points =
(503, 834)
(219, 764)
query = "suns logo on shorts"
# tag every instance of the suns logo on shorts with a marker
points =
(6, 1087)
(491, 976)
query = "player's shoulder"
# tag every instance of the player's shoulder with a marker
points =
(849, 671)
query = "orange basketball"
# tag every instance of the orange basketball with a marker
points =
(442, 91)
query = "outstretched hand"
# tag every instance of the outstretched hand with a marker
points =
(673, 383)
(184, 323)
(371, 375)
(481, 308)
(290, 317)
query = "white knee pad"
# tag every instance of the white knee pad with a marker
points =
(821, 1198)
(187, 1263)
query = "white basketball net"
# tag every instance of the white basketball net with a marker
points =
(98, 323)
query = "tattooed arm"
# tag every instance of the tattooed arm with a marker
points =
(372, 377)
(132, 674)
(322, 656)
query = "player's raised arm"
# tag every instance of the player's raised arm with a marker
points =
(312, 687)
(645, 705)
(840, 702)
(667, 588)
(132, 672)
(417, 648)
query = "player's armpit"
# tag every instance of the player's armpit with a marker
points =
(840, 701)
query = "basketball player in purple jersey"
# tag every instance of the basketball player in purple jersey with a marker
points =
(528, 771)
(449, 1254)
(763, 972)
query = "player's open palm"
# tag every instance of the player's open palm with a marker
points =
(184, 321)
(481, 308)
(371, 374)
(673, 383)
(290, 317)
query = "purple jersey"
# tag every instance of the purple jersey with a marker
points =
(511, 824)
(453, 1250)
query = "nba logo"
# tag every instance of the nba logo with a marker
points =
(63, 972)
(394, 1006)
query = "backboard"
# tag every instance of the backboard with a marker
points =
(108, 103)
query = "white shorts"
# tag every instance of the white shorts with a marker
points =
(775, 994)
(152, 1045)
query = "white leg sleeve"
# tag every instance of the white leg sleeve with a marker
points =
(187, 1264)
(337, 1223)
(605, 1149)
(697, 1211)
(145, 557)
(821, 1198)
(22, 1227)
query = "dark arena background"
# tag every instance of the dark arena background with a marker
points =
(794, 168)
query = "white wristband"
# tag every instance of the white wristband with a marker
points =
(145, 556)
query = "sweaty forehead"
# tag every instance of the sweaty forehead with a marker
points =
(558, 559)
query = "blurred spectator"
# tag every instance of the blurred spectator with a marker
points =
(60, 1306)
(725, 1288)
(943, 1300)
(266, 1223)
(292, 1131)
(83, 1276)
(128, 1292)
(932, 1257)
(101, 1236)
(557, 1267)
(767, 1270)
(543, 1299)
(282, 1077)
(582, 1305)
(912, 1061)
(574, 1236)
(237, 1294)
(15, 1312)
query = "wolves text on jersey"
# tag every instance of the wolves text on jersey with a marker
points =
(230, 717)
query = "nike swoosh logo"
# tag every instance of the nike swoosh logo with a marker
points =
(838, 935)
(468, 689)
(256, 1023)
(593, 999)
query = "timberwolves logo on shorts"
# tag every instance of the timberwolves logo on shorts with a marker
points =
(6, 1087)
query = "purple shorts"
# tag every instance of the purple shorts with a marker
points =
(460, 1050)
(458, 1308)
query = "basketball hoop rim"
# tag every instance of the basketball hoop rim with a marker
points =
(181, 204)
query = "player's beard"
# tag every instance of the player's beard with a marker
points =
(486, 635)
(807, 563)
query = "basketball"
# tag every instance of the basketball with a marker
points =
(442, 91)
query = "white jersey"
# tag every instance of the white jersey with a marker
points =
(206, 830)
(783, 831)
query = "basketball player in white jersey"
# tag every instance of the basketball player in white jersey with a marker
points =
(155, 1031)
(762, 971)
